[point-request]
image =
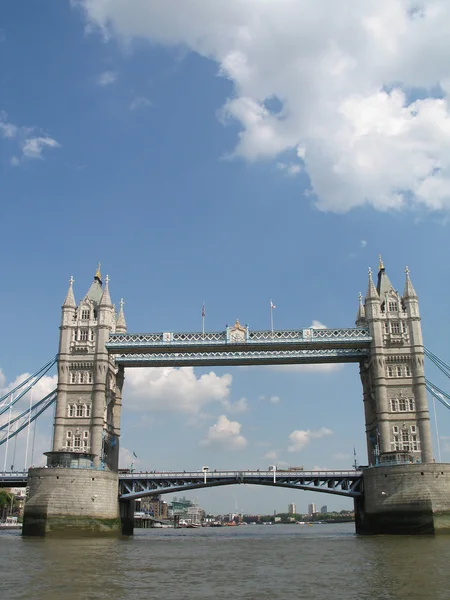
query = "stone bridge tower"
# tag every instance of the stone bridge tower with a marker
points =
(78, 488)
(395, 400)
(89, 392)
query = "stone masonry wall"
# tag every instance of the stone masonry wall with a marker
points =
(61, 500)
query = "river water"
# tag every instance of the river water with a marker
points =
(230, 563)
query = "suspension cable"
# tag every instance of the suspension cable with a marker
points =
(43, 406)
(28, 410)
(35, 378)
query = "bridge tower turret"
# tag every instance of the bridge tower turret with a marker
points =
(86, 422)
(395, 402)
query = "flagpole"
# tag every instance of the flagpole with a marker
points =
(203, 319)
(271, 317)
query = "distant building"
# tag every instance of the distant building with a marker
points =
(324, 509)
(312, 510)
(292, 509)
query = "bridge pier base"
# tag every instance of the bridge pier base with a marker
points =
(127, 516)
(405, 500)
(63, 501)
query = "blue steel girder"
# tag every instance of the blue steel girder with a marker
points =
(133, 486)
(237, 357)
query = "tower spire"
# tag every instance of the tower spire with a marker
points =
(69, 302)
(105, 300)
(371, 289)
(409, 291)
(361, 315)
(121, 325)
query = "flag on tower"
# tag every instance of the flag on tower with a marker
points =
(203, 311)
(272, 305)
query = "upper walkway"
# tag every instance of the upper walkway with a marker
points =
(238, 345)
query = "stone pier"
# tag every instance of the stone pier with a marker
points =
(405, 499)
(72, 501)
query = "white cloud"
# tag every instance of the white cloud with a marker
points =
(174, 390)
(140, 102)
(106, 78)
(302, 437)
(33, 146)
(225, 434)
(329, 81)
(30, 146)
(272, 455)
(271, 399)
(240, 406)
(8, 130)
(363, 243)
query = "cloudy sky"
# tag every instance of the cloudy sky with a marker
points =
(226, 152)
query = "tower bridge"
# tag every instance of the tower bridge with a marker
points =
(402, 490)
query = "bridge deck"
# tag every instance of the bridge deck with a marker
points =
(140, 484)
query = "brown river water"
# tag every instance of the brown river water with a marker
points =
(256, 562)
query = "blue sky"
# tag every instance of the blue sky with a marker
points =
(170, 144)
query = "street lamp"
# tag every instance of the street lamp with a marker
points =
(205, 470)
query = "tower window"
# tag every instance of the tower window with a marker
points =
(408, 371)
(87, 410)
(411, 404)
(83, 335)
(85, 434)
(395, 429)
(395, 327)
(392, 306)
(386, 327)
(85, 314)
(413, 429)
(92, 336)
(73, 377)
(70, 410)
(390, 371)
(79, 410)
(69, 434)
(89, 377)
(402, 407)
(399, 371)
(77, 441)
(394, 406)
(404, 327)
